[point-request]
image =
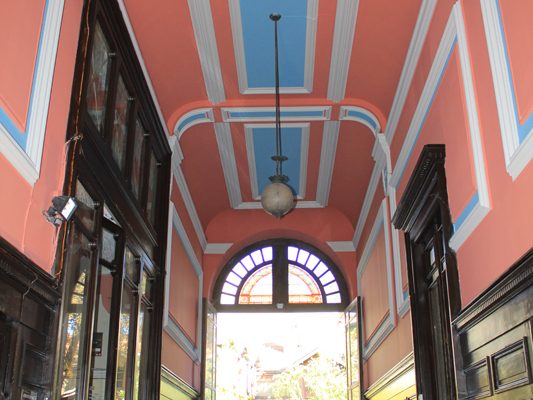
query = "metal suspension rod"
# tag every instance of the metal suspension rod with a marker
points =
(279, 159)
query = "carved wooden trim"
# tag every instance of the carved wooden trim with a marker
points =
(431, 156)
(27, 275)
(519, 277)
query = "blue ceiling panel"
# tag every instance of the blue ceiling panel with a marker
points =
(265, 147)
(258, 37)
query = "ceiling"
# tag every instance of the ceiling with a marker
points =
(211, 65)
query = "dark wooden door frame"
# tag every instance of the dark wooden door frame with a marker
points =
(425, 200)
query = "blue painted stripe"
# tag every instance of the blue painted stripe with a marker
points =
(272, 114)
(21, 137)
(258, 40)
(474, 201)
(526, 128)
(363, 116)
(190, 119)
(452, 47)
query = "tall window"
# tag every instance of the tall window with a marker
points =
(115, 245)
(280, 275)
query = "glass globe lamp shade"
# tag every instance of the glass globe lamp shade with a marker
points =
(277, 199)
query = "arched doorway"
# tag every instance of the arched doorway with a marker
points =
(273, 277)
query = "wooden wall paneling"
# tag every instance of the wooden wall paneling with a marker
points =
(493, 337)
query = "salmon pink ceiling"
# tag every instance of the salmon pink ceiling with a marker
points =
(211, 65)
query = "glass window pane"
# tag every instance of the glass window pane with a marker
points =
(248, 263)
(302, 256)
(227, 299)
(152, 190)
(86, 207)
(327, 278)
(78, 264)
(319, 271)
(332, 287)
(125, 341)
(333, 298)
(141, 355)
(98, 78)
(229, 288)
(146, 286)
(258, 288)
(312, 262)
(303, 289)
(138, 159)
(267, 253)
(102, 325)
(256, 256)
(292, 253)
(240, 270)
(234, 279)
(120, 124)
(109, 244)
(132, 266)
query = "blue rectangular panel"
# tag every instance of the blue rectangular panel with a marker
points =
(258, 38)
(265, 147)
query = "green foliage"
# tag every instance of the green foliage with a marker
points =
(321, 378)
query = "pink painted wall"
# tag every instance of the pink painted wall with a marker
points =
(504, 235)
(183, 293)
(21, 205)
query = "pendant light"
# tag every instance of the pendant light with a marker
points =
(277, 198)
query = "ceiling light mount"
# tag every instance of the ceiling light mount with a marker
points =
(277, 198)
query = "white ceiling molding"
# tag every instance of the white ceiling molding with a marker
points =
(342, 246)
(411, 61)
(194, 350)
(256, 205)
(268, 114)
(204, 33)
(385, 327)
(327, 161)
(367, 202)
(193, 117)
(217, 248)
(27, 161)
(343, 35)
(402, 297)
(479, 206)
(240, 62)
(146, 75)
(517, 155)
(187, 199)
(229, 165)
(361, 115)
(304, 155)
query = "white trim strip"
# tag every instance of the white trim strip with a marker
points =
(454, 33)
(517, 155)
(330, 138)
(187, 199)
(192, 118)
(343, 36)
(387, 325)
(268, 114)
(411, 61)
(227, 160)
(361, 115)
(206, 43)
(28, 161)
(194, 350)
(256, 205)
(217, 248)
(342, 246)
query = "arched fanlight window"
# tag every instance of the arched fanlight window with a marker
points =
(280, 274)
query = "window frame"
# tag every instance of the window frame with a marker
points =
(280, 288)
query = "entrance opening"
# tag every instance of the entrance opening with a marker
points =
(281, 356)
(277, 328)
